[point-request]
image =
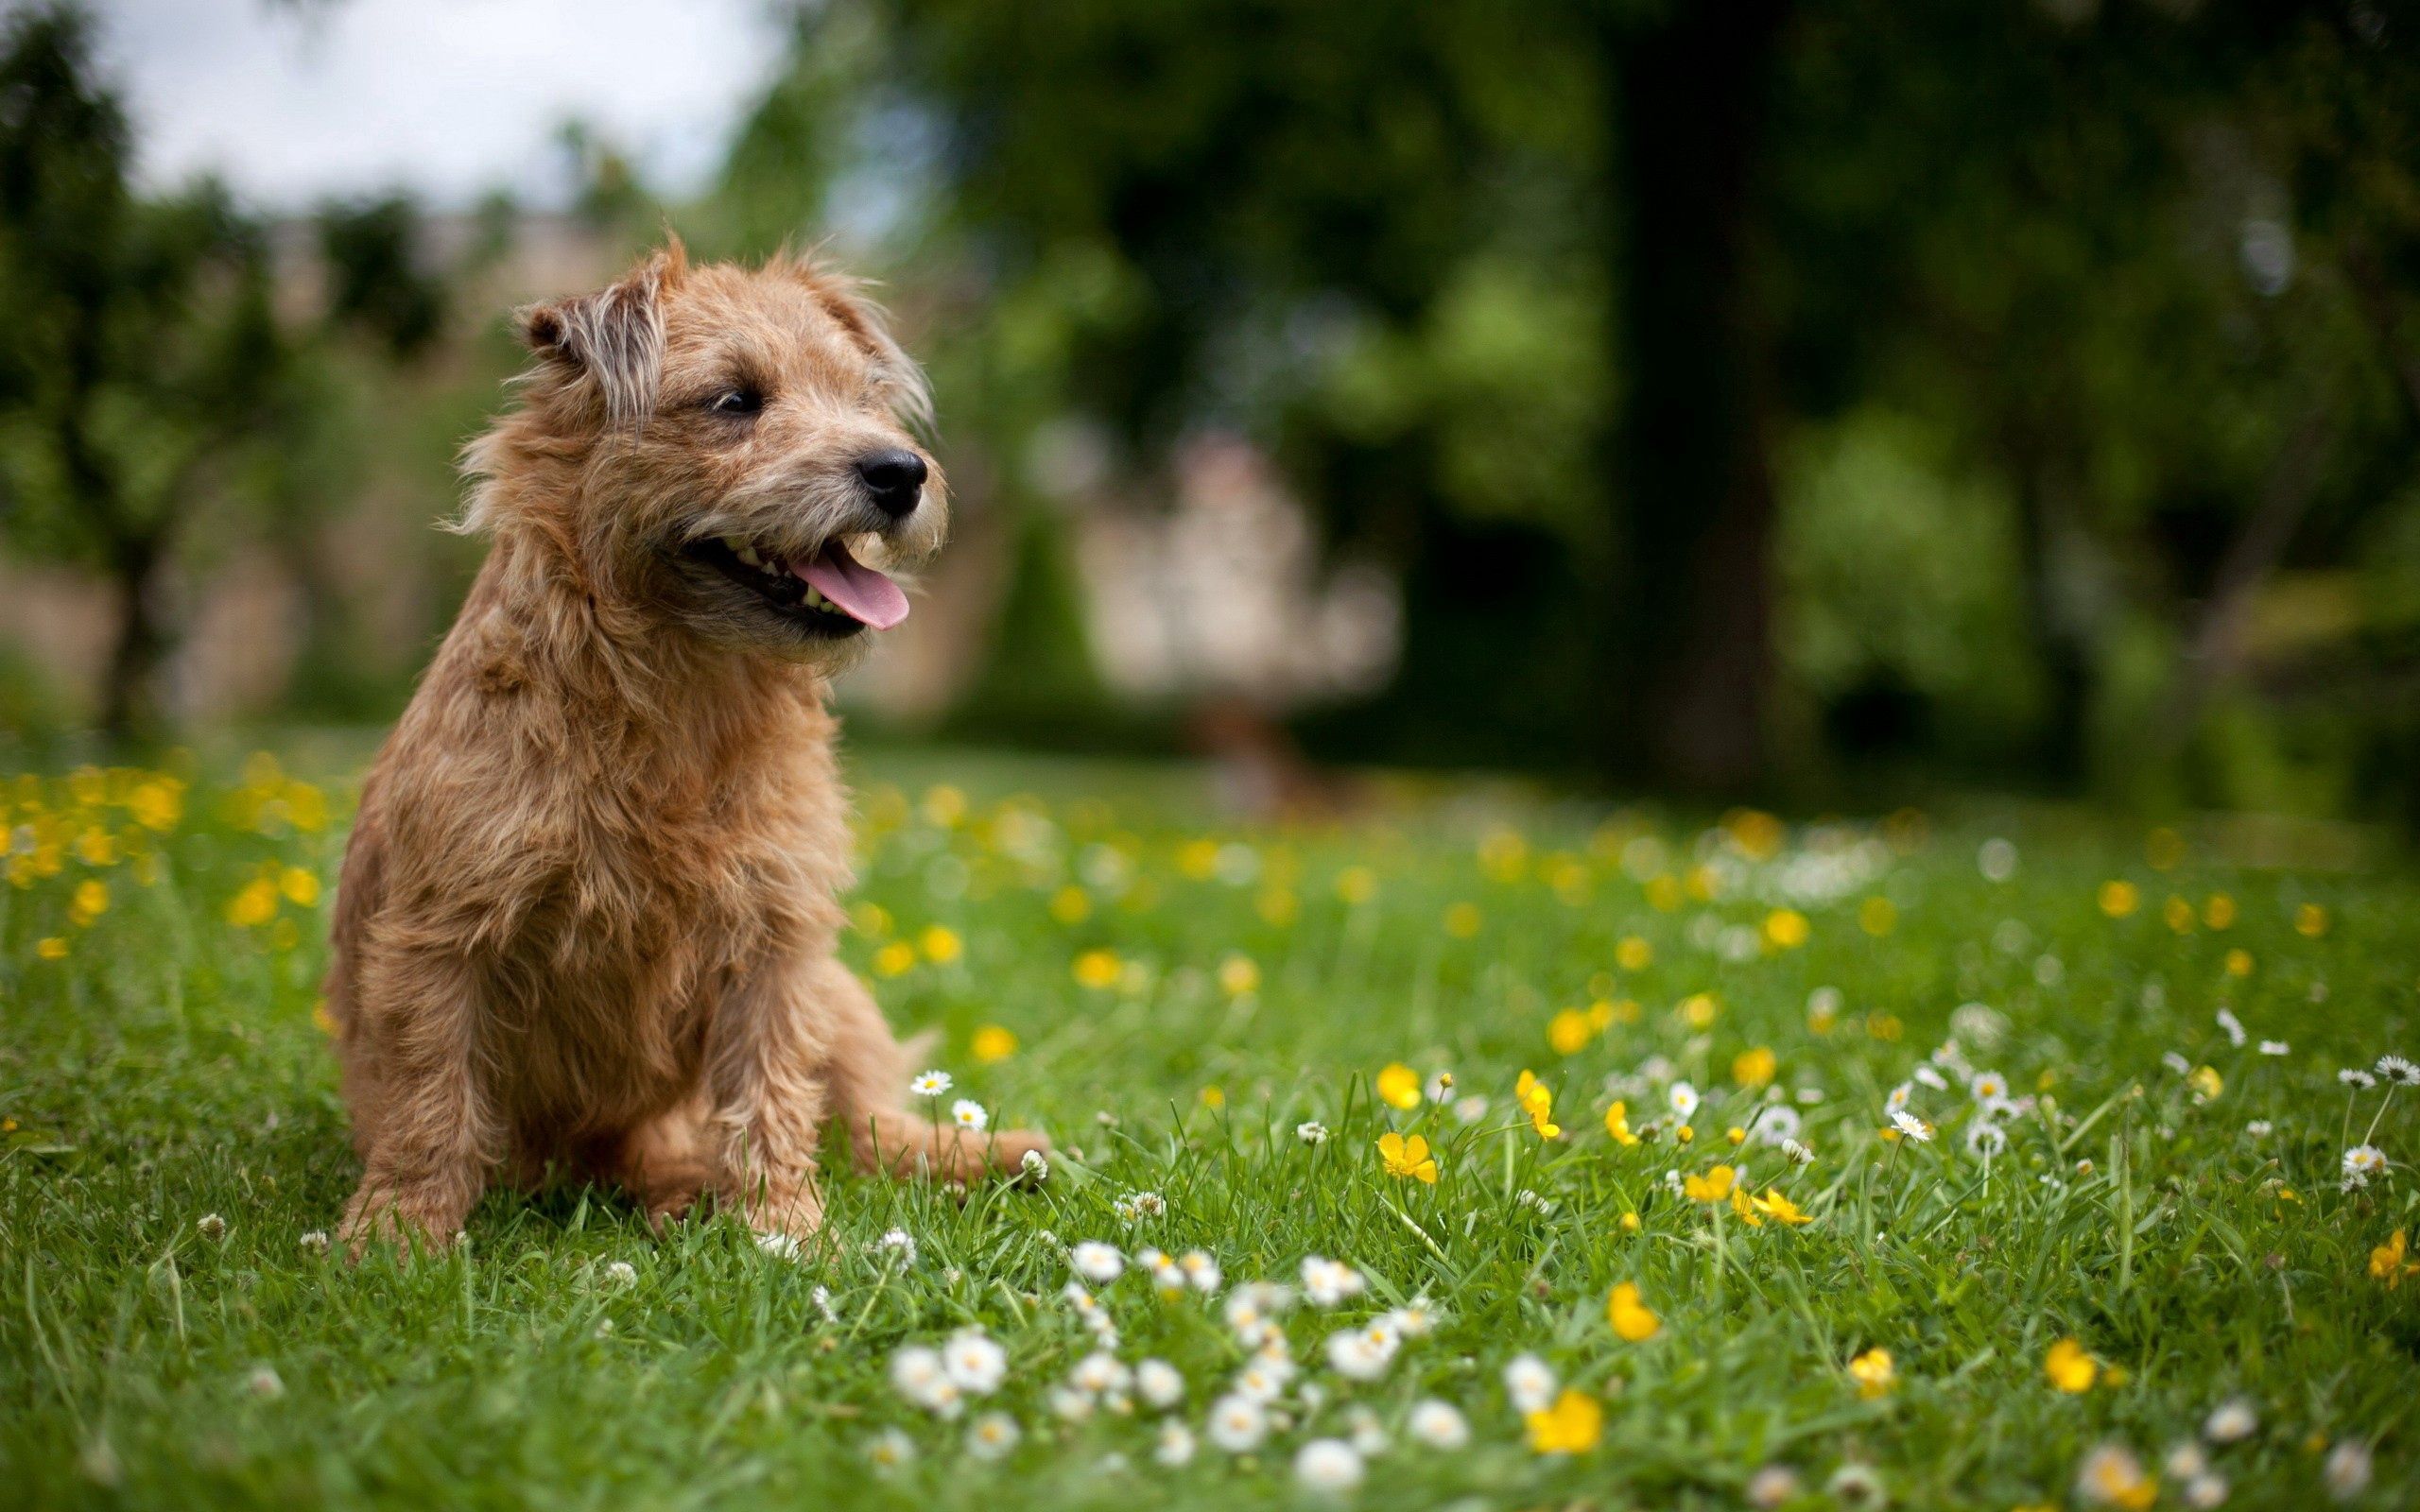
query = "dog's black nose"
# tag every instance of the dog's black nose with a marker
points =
(894, 478)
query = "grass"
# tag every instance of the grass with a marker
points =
(1182, 997)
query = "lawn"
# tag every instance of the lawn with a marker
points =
(2113, 1259)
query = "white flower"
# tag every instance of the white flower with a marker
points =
(316, 1242)
(1033, 1165)
(2001, 1109)
(2275, 1047)
(1069, 1403)
(1263, 1378)
(2363, 1162)
(919, 1376)
(1364, 1352)
(1897, 1101)
(1530, 1383)
(2399, 1070)
(1439, 1425)
(263, 1383)
(2176, 1062)
(1682, 1098)
(1856, 1486)
(931, 1083)
(1313, 1132)
(1985, 1139)
(1175, 1446)
(1415, 1319)
(975, 1363)
(1330, 1282)
(1100, 1373)
(210, 1225)
(1912, 1126)
(621, 1273)
(1369, 1435)
(1159, 1383)
(1987, 1085)
(2233, 1025)
(1237, 1424)
(889, 1449)
(2347, 1471)
(968, 1113)
(1136, 1206)
(1097, 1263)
(1798, 1154)
(899, 1242)
(1254, 1308)
(1328, 1465)
(2230, 1421)
(991, 1435)
(1775, 1124)
(821, 1297)
(781, 1247)
(1931, 1078)
(2186, 1461)
(2357, 1080)
(1200, 1271)
(1470, 1109)
(1771, 1487)
(2206, 1491)
(2259, 1129)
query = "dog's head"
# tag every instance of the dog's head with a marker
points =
(739, 449)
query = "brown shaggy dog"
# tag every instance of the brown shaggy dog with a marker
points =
(587, 918)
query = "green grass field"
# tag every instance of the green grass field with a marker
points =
(2155, 1225)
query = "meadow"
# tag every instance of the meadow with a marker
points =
(1485, 1150)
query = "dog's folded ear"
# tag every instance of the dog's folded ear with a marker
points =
(612, 338)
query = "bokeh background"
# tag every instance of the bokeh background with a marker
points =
(1826, 401)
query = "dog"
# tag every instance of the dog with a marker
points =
(587, 915)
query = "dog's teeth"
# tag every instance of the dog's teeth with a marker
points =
(748, 555)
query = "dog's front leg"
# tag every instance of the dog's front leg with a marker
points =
(429, 1139)
(766, 1075)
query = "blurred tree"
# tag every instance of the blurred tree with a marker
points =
(379, 278)
(141, 364)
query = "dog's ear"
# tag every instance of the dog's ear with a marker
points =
(614, 338)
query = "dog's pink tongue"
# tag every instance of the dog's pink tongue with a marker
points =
(864, 593)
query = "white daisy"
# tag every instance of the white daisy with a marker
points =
(1470, 1109)
(316, 1242)
(2358, 1079)
(1415, 1319)
(1776, 1124)
(1856, 1486)
(1912, 1126)
(975, 1363)
(2275, 1047)
(1312, 1132)
(919, 1376)
(889, 1449)
(1530, 1383)
(1439, 1425)
(1682, 1099)
(1330, 1282)
(2347, 1471)
(1328, 1465)
(1931, 1078)
(2186, 1461)
(1771, 1487)
(2259, 1129)
(2176, 1062)
(1988, 1085)
(1900, 1095)
(1200, 1271)
(1237, 1424)
(265, 1383)
(2233, 1025)
(1159, 1383)
(991, 1435)
(2400, 1072)
(1034, 1166)
(931, 1083)
(1175, 1446)
(1097, 1263)
(1798, 1154)
(2206, 1491)
(1369, 1435)
(621, 1273)
(1100, 1373)
(781, 1247)
(1263, 1378)
(1364, 1352)
(1068, 1403)
(968, 1113)
(2363, 1162)
(821, 1297)
(1985, 1139)
(1253, 1309)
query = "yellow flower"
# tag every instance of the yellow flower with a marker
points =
(2179, 915)
(1601, 1016)
(157, 805)
(1698, 1010)
(1356, 885)
(1463, 920)
(992, 1043)
(1238, 974)
(1735, 1134)
(1097, 969)
(1573, 1425)
(1873, 1373)
(1213, 1096)
(2387, 1262)
(1685, 1134)
(2239, 963)
(1618, 1124)
(894, 960)
(1781, 1210)
(1634, 955)
(1277, 906)
(1570, 1031)
(1663, 894)
(1538, 1101)
(1745, 1209)
(255, 905)
(1399, 1085)
(2119, 898)
(1715, 1186)
(1877, 916)
(2070, 1369)
(301, 889)
(2311, 920)
(97, 846)
(1786, 929)
(2218, 911)
(91, 902)
(1754, 1068)
(943, 807)
(51, 948)
(2113, 1477)
(1630, 1222)
(2207, 1084)
(1630, 1317)
(1071, 905)
(1199, 859)
(1408, 1156)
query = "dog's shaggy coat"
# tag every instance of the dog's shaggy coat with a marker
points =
(587, 918)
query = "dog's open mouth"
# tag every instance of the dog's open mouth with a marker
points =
(830, 591)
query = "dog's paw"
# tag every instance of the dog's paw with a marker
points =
(374, 1220)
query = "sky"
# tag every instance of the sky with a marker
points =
(295, 102)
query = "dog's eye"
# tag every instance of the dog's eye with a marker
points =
(737, 402)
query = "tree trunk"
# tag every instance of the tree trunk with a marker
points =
(131, 709)
(2060, 644)
(1691, 639)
